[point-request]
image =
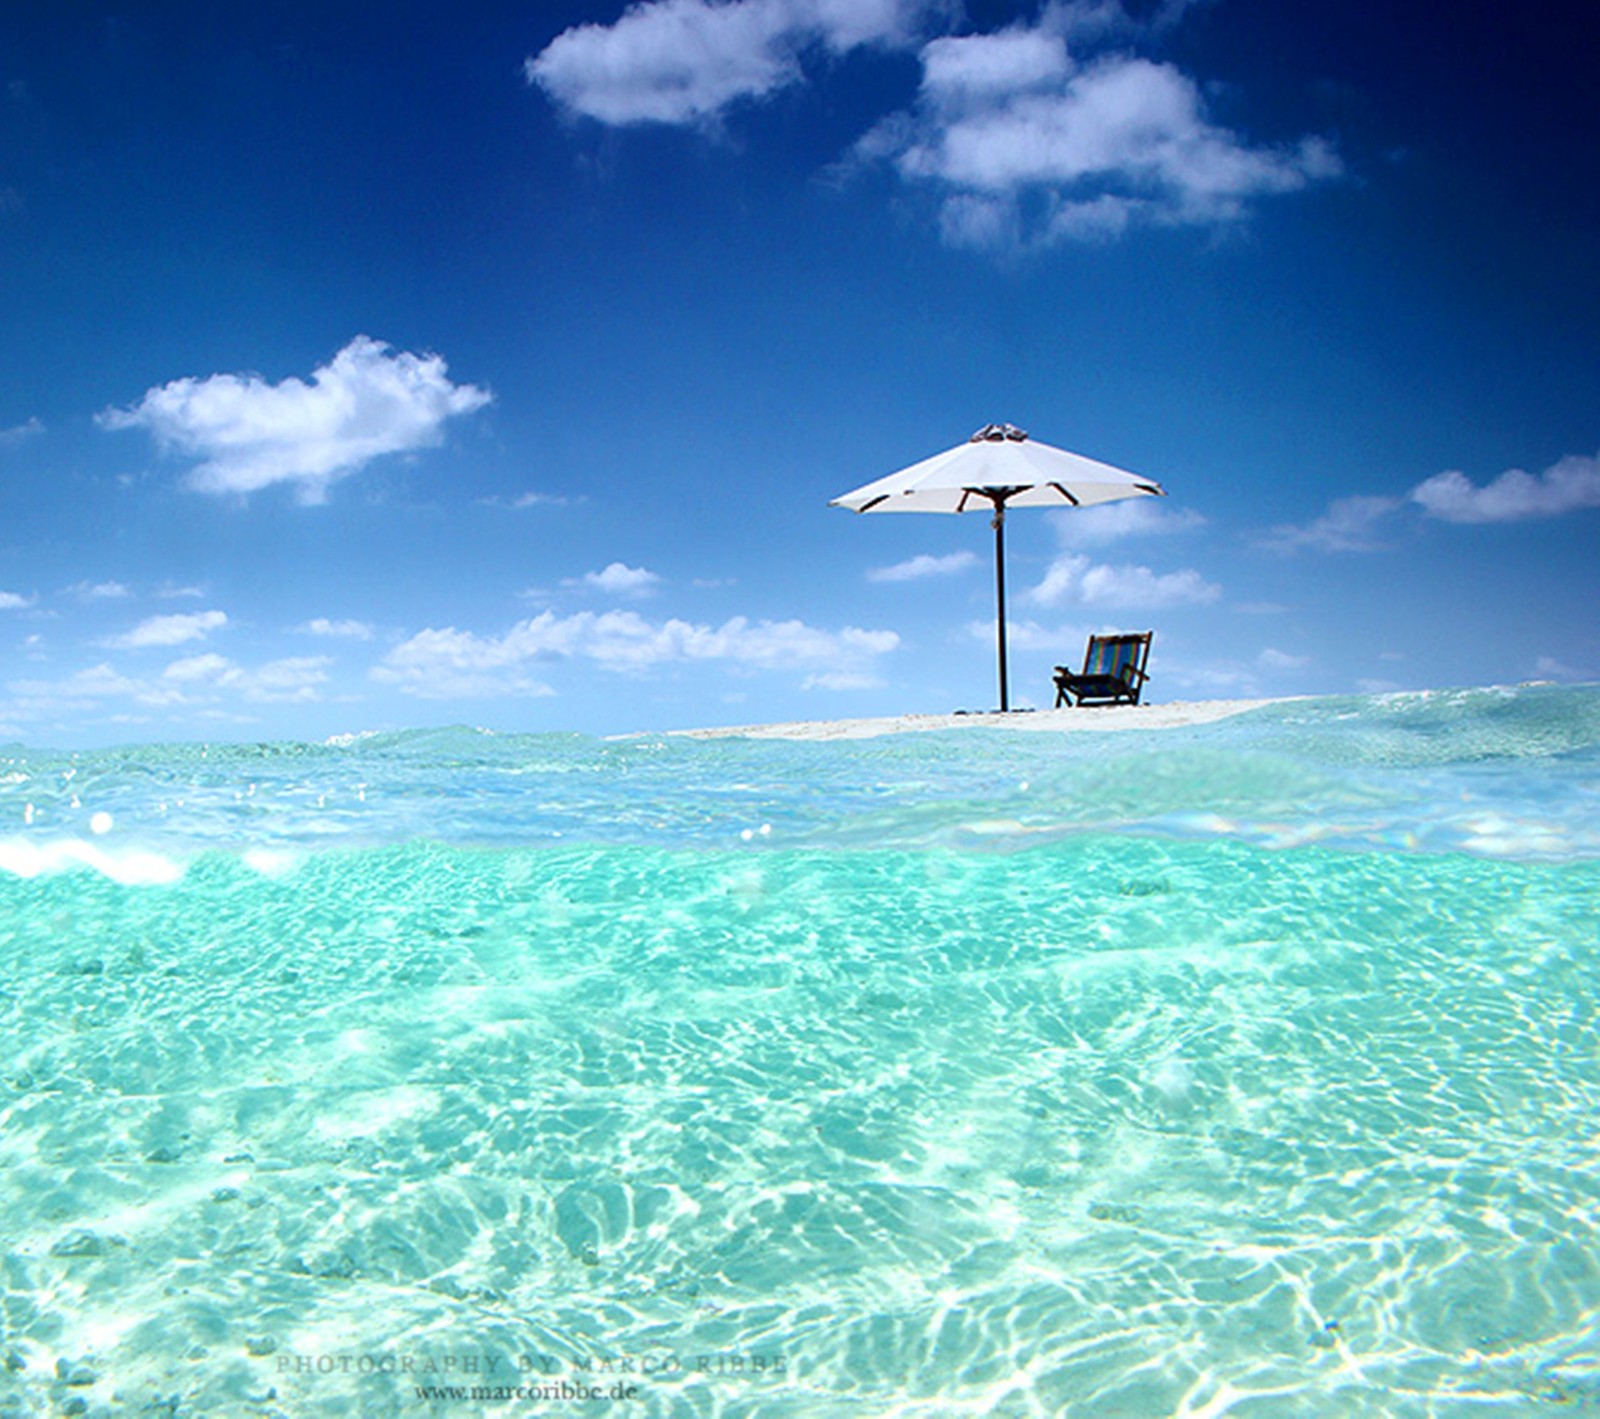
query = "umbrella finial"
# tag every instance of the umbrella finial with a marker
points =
(999, 433)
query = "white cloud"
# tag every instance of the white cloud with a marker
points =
(1223, 678)
(14, 601)
(1349, 525)
(841, 680)
(1114, 522)
(197, 681)
(1031, 636)
(82, 686)
(1022, 141)
(527, 500)
(1548, 665)
(1356, 524)
(295, 678)
(170, 630)
(458, 665)
(973, 70)
(924, 565)
(1060, 583)
(685, 61)
(348, 630)
(450, 663)
(675, 61)
(1514, 496)
(968, 220)
(366, 402)
(197, 668)
(1076, 580)
(1100, 219)
(619, 579)
(1025, 144)
(1140, 587)
(100, 591)
(19, 433)
(1272, 659)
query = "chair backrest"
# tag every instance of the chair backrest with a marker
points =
(1113, 655)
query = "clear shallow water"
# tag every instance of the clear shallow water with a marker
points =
(1248, 1069)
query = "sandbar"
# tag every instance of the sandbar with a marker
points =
(1053, 721)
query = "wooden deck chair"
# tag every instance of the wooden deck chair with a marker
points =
(1113, 672)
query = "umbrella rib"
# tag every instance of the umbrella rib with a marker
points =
(1064, 493)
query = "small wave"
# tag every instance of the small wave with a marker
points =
(130, 867)
(1498, 772)
(345, 741)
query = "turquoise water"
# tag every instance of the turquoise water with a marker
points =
(1248, 1069)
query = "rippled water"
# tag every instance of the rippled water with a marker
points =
(1248, 1069)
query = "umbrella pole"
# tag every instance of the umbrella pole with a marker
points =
(1000, 599)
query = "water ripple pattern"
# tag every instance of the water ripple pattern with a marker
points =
(1251, 1069)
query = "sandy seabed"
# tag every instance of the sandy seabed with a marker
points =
(1103, 718)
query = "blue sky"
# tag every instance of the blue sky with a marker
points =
(375, 366)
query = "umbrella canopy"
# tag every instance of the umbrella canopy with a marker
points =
(997, 468)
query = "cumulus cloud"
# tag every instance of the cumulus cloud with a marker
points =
(686, 61)
(1076, 580)
(366, 402)
(924, 565)
(170, 630)
(14, 601)
(1026, 144)
(1515, 496)
(1024, 135)
(619, 579)
(450, 663)
(347, 630)
(1352, 524)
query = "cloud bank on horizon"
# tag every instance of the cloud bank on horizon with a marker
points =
(447, 663)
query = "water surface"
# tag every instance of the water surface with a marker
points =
(1247, 1069)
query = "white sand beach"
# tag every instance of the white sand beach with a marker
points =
(1064, 721)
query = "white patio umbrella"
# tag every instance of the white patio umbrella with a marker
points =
(999, 467)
